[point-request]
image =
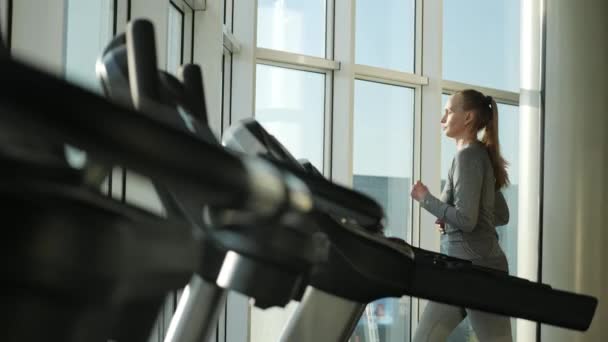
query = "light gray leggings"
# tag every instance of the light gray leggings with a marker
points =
(439, 320)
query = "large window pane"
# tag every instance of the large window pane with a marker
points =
(175, 31)
(89, 29)
(382, 168)
(290, 104)
(508, 135)
(385, 34)
(481, 42)
(292, 25)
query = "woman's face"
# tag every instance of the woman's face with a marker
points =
(455, 120)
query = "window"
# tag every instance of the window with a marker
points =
(481, 43)
(385, 34)
(90, 27)
(382, 168)
(175, 38)
(341, 83)
(290, 104)
(292, 26)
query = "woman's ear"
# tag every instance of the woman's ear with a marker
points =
(468, 117)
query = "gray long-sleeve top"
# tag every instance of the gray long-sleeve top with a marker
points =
(469, 204)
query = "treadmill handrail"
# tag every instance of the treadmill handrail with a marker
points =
(117, 134)
(329, 197)
(332, 198)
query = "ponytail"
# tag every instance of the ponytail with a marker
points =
(490, 139)
(487, 119)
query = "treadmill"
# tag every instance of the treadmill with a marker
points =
(268, 257)
(364, 266)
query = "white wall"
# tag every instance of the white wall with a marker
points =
(39, 33)
(208, 50)
(576, 149)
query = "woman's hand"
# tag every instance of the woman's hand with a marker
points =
(440, 224)
(419, 191)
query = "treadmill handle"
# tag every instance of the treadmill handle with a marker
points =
(338, 200)
(191, 77)
(141, 57)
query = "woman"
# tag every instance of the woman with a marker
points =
(470, 207)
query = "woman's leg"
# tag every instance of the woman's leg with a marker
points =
(437, 322)
(489, 327)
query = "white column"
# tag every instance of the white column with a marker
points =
(576, 148)
(529, 151)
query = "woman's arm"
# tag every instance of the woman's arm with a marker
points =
(467, 180)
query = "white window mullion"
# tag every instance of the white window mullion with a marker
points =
(296, 60)
(344, 81)
(329, 91)
(244, 63)
(244, 29)
(382, 75)
(418, 38)
(428, 147)
(328, 124)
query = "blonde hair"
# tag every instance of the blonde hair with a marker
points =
(486, 117)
